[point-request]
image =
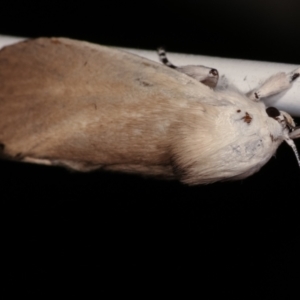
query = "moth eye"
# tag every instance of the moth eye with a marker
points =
(214, 72)
(272, 112)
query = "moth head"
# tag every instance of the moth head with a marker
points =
(289, 129)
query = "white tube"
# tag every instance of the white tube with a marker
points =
(243, 74)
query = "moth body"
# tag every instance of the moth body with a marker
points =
(87, 107)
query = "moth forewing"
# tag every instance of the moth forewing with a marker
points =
(86, 107)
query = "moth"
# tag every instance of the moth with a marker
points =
(86, 107)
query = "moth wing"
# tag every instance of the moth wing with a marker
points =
(62, 99)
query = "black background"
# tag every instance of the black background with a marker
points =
(63, 229)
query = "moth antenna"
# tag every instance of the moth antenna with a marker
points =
(293, 146)
(163, 58)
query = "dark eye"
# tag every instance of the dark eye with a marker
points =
(214, 72)
(272, 112)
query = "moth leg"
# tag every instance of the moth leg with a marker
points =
(39, 161)
(162, 55)
(72, 165)
(205, 75)
(295, 134)
(274, 85)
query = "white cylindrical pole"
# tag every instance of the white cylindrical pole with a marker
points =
(245, 75)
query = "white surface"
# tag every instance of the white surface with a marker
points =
(243, 74)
